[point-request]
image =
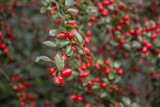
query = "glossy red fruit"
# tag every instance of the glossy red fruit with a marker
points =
(51, 71)
(92, 18)
(74, 49)
(107, 70)
(0, 34)
(153, 36)
(97, 66)
(144, 49)
(89, 85)
(61, 35)
(87, 105)
(88, 33)
(149, 45)
(104, 12)
(70, 22)
(82, 67)
(126, 18)
(100, 6)
(5, 51)
(66, 72)
(73, 97)
(2, 45)
(64, 57)
(60, 80)
(106, 62)
(89, 65)
(83, 74)
(86, 40)
(105, 2)
(144, 42)
(56, 80)
(86, 51)
(103, 85)
(70, 35)
(79, 98)
(51, 12)
(96, 79)
(119, 71)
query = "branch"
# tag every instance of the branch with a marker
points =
(4, 74)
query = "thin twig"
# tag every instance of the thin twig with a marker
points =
(4, 74)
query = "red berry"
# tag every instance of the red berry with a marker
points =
(83, 74)
(105, 2)
(126, 18)
(82, 67)
(88, 33)
(96, 79)
(0, 34)
(97, 66)
(60, 80)
(88, 64)
(103, 85)
(64, 57)
(149, 45)
(51, 71)
(92, 18)
(106, 62)
(56, 80)
(70, 35)
(86, 40)
(51, 12)
(66, 72)
(74, 49)
(86, 51)
(104, 12)
(70, 22)
(89, 85)
(144, 49)
(119, 71)
(100, 6)
(5, 51)
(73, 97)
(2, 45)
(87, 105)
(79, 98)
(61, 35)
(107, 70)
(153, 36)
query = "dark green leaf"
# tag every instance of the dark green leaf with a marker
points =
(53, 32)
(59, 62)
(62, 42)
(78, 36)
(69, 3)
(43, 58)
(43, 9)
(50, 44)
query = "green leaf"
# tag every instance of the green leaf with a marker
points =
(136, 44)
(78, 36)
(69, 3)
(70, 53)
(50, 44)
(68, 49)
(110, 76)
(72, 10)
(127, 46)
(62, 42)
(43, 9)
(59, 62)
(53, 32)
(117, 64)
(43, 58)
